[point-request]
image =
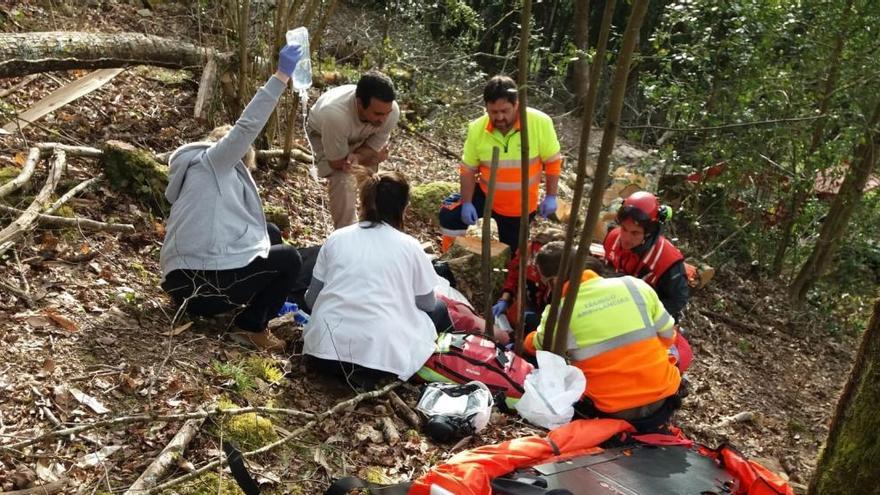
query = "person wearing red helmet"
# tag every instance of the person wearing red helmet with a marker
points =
(637, 247)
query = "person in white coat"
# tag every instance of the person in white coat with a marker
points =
(372, 291)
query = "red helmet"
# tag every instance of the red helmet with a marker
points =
(643, 208)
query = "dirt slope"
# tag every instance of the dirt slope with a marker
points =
(100, 322)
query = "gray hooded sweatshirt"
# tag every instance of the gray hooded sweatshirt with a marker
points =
(217, 220)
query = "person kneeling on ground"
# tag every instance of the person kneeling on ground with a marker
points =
(619, 335)
(219, 253)
(371, 291)
(538, 293)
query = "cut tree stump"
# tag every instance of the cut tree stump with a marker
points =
(465, 261)
(135, 173)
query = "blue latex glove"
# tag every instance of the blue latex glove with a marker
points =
(288, 57)
(500, 307)
(468, 213)
(548, 206)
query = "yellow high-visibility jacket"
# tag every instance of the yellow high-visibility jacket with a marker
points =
(544, 154)
(619, 337)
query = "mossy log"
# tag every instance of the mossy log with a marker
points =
(134, 172)
(465, 261)
(277, 215)
(426, 199)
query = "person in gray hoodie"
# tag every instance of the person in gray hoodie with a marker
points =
(217, 254)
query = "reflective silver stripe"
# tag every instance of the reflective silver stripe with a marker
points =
(653, 255)
(514, 186)
(639, 300)
(453, 233)
(611, 344)
(557, 156)
(648, 331)
(510, 163)
(658, 326)
(659, 253)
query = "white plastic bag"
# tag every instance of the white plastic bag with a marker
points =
(551, 391)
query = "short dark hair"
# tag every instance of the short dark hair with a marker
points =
(384, 197)
(500, 87)
(374, 84)
(549, 258)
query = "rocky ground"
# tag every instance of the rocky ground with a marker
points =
(100, 340)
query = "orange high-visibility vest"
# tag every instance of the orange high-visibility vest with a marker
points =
(618, 336)
(544, 152)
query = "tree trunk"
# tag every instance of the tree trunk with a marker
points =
(581, 39)
(603, 162)
(848, 463)
(800, 192)
(523, 83)
(598, 64)
(30, 53)
(244, 17)
(842, 208)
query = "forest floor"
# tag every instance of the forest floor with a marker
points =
(766, 376)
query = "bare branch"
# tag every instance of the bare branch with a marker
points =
(143, 418)
(724, 126)
(82, 186)
(27, 171)
(295, 434)
(82, 223)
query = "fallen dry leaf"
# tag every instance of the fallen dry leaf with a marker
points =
(179, 330)
(37, 321)
(47, 369)
(20, 158)
(86, 399)
(61, 321)
(95, 458)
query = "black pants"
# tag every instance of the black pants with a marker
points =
(368, 378)
(508, 227)
(657, 422)
(261, 286)
(355, 374)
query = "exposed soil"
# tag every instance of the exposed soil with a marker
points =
(100, 323)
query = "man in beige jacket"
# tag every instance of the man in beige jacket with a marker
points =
(351, 125)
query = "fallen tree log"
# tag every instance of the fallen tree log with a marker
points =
(29, 53)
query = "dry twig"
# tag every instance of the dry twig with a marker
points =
(82, 223)
(25, 222)
(141, 418)
(47, 489)
(169, 455)
(82, 186)
(404, 411)
(27, 171)
(295, 434)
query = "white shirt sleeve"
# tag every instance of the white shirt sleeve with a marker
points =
(424, 276)
(320, 270)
